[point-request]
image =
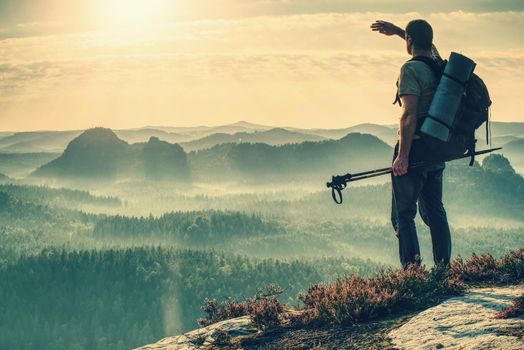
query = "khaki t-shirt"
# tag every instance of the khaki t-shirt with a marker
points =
(417, 78)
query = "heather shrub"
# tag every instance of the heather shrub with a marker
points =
(511, 266)
(354, 299)
(486, 268)
(481, 268)
(516, 309)
(264, 308)
(265, 311)
(216, 312)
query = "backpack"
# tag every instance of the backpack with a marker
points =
(472, 113)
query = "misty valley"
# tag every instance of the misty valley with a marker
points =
(112, 239)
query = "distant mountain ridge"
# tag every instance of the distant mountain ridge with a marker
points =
(386, 133)
(19, 165)
(290, 162)
(143, 135)
(196, 137)
(274, 137)
(99, 154)
(37, 141)
(203, 138)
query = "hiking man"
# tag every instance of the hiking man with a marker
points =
(416, 84)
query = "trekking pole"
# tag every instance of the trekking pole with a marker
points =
(340, 182)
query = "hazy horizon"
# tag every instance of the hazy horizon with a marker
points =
(222, 124)
(202, 126)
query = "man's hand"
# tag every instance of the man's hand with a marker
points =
(400, 166)
(387, 28)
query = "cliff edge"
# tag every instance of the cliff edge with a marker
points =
(464, 322)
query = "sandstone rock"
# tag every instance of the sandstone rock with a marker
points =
(213, 336)
(466, 322)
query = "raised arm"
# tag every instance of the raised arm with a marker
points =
(388, 29)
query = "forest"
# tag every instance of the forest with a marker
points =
(123, 298)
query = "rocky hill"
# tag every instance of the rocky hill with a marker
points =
(164, 161)
(98, 154)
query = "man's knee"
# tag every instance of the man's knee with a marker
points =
(438, 214)
(432, 211)
(407, 213)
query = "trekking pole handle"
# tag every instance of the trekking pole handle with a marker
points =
(336, 194)
(337, 184)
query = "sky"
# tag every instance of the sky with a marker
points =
(76, 64)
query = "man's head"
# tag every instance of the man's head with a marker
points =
(419, 35)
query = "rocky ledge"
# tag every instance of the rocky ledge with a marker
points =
(465, 322)
(215, 336)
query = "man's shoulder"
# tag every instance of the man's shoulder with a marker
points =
(415, 67)
(414, 64)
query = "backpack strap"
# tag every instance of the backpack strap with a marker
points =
(436, 65)
(471, 150)
(488, 128)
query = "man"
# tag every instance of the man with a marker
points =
(417, 84)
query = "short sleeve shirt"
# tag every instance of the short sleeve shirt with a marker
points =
(417, 78)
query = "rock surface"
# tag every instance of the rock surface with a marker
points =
(466, 322)
(219, 334)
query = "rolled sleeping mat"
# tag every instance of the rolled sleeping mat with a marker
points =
(447, 98)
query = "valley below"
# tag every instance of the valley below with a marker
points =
(113, 239)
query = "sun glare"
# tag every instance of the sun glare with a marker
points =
(132, 13)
